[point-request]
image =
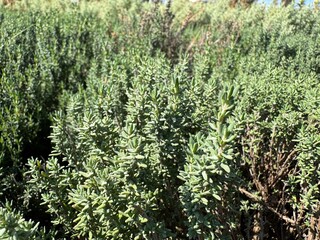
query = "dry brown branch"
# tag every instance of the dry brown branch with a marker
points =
(284, 168)
(258, 200)
(244, 3)
(286, 2)
(8, 2)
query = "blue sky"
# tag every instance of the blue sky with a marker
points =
(269, 1)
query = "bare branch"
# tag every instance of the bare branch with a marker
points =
(257, 199)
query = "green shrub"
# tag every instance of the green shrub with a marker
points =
(186, 121)
(209, 193)
(14, 226)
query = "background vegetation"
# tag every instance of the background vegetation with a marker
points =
(136, 120)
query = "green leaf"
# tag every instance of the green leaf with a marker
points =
(142, 165)
(204, 201)
(226, 156)
(85, 174)
(216, 197)
(2, 231)
(129, 219)
(143, 219)
(204, 175)
(225, 167)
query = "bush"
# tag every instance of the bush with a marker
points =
(14, 226)
(178, 121)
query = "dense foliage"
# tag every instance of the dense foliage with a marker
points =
(136, 120)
